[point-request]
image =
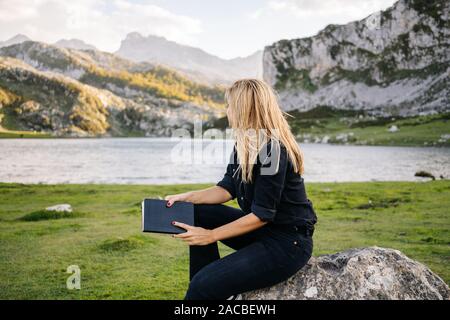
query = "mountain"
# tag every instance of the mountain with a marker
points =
(74, 44)
(192, 62)
(395, 61)
(69, 92)
(14, 40)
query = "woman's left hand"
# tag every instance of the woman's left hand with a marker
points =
(195, 236)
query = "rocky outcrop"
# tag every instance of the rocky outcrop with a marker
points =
(367, 273)
(395, 61)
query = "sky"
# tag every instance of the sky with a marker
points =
(226, 28)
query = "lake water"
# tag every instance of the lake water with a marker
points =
(158, 161)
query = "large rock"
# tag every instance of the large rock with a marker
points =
(367, 273)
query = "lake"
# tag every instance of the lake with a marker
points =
(166, 161)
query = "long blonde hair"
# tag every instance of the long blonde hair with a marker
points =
(255, 113)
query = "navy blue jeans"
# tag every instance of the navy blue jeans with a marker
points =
(264, 257)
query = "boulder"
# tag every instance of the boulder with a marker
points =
(60, 208)
(367, 273)
(393, 129)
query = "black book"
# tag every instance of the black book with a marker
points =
(157, 217)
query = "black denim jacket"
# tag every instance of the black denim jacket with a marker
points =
(279, 197)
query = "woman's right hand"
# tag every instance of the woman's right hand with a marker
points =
(171, 199)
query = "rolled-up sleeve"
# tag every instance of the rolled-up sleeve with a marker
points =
(269, 185)
(227, 181)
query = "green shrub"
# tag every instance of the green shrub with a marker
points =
(120, 244)
(48, 215)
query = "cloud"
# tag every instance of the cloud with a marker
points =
(100, 22)
(17, 10)
(342, 9)
(293, 19)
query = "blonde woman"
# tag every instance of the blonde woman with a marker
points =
(272, 230)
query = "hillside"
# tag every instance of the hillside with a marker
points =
(394, 62)
(327, 125)
(96, 93)
(102, 69)
(34, 100)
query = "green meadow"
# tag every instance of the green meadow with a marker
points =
(354, 127)
(117, 261)
(8, 134)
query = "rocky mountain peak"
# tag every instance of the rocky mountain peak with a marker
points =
(18, 38)
(392, 62)
(192, 62)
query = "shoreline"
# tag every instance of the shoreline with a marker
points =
(42, 136)
(201, 184)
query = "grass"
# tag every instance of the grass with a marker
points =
(12, 134)
(117, 261)
(362, 130)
